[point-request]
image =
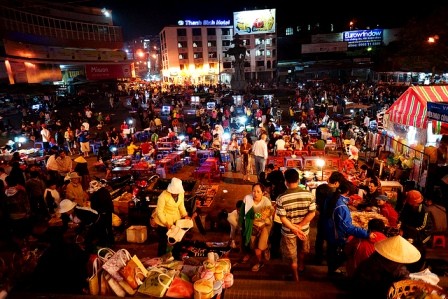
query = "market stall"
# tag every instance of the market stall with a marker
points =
(411, 133)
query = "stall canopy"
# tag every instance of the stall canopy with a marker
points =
(410, 108)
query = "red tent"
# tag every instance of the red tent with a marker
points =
(410, 108)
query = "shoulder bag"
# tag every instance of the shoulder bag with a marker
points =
(114, 261)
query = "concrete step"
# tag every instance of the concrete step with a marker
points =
(305, 289)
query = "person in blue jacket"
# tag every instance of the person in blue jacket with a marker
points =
(339, 227)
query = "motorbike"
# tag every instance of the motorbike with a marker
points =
(117, 185)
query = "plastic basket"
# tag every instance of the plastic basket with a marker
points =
(409, 287)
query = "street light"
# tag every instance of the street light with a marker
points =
(321, 163)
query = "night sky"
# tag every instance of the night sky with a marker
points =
(145, 17)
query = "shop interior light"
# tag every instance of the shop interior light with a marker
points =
(226, 136)
(321, 163)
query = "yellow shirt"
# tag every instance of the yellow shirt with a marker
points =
(131, 148)
(168, 210)
(76, 194)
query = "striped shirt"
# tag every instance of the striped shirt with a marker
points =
(295, 204)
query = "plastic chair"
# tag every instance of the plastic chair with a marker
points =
(438, 241)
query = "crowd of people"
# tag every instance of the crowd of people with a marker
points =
(272, 221)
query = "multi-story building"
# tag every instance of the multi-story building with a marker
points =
(145, 51)
(50, 42)
(195, 51)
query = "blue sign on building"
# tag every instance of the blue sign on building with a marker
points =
(363, 38)
(437, 111)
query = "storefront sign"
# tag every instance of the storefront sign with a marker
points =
(437, 111)
(363, 38)
(108, 71)
(203, 22)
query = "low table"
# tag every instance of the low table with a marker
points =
(121, 170)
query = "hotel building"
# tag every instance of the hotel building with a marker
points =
(195, 51)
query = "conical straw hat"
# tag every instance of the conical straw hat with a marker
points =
(398, 249)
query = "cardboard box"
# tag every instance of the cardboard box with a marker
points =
(136, 234)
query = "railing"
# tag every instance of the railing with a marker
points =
(19, 21)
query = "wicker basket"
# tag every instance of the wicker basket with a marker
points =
(408, 287)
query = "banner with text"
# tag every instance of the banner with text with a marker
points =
(108, 71)
(437, 111)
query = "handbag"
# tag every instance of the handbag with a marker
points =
(140, 265)
(180, 288)
(94, 280)
(157, 283)
(104, 286)
(132, 274)
(114, 261)
(115, 286)
(177, 232)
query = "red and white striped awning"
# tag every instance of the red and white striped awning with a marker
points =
(410, 108)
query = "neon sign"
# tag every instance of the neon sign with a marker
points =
(363, 38)
(217, 22)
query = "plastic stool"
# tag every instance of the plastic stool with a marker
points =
(438, 241)
(187, 161)
(161, 172)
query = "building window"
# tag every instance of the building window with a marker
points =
(183, 56)
(212, 65)
(268, 53)
(181, 66)
(197, 44)
(246, 42)
(226, 43)
(259, 41)
(211, 31)
(225, 31)
(211, 43)
(197, 55)
(181, 32)
(260, 63)
(197, 66)
(212, 55)
(227, 65)
(196, 31)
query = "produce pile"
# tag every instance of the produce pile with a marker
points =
(361, 219)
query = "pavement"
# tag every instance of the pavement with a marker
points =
(274, 279)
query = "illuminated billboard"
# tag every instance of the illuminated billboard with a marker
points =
(363, 38)
(254, 21)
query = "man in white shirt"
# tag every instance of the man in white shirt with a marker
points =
(280, 144)
(46, 136)
(53, 167)
(366, 122)
(65, 165)
(260, 150)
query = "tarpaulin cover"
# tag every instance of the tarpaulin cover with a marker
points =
(411, 107)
